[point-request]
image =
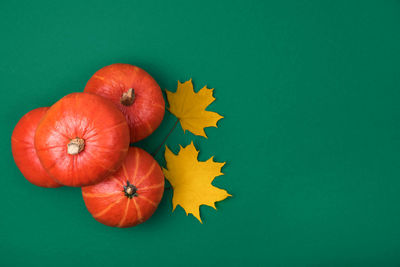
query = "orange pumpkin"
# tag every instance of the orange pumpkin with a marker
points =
(131, 195)
(82, 139)
(134, 92)
(24, 152)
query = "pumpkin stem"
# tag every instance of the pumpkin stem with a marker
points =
(128, 97)
(130, 190)
(75, 146)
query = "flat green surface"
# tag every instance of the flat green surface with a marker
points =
(310, 92)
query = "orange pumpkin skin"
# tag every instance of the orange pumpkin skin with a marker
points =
(101, 129)
(24, 152)
(144, 111)
(108, 201)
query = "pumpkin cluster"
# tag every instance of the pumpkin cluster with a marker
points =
(83, 140)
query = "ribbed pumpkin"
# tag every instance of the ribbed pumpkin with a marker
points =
(24, 152)
(135, 93)
(82, 139)
(131, 195)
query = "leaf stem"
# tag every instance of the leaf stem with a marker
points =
(154, 154)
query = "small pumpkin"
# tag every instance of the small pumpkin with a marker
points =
(131, 195)
(82, 139)
(135, 93)
(24, 152)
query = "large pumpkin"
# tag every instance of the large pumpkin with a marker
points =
(134, 92)
(131, 195)
(82, 139)
(24, 152)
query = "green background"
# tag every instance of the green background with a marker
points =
(310, 92)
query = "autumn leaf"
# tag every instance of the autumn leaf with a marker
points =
(191, 180)
(189, 107)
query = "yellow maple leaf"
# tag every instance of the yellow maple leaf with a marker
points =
(189, 107)
(191, 180)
